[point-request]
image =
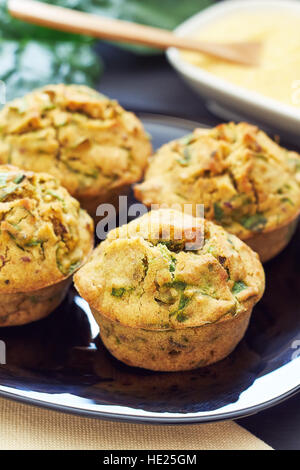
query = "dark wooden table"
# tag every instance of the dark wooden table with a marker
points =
(148, 83)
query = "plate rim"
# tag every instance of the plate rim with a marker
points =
(155, 420)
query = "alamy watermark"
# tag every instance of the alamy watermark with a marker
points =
(296, 347)
(2, 352)
(2, 92)
(174, 226)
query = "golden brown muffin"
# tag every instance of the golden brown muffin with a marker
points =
(163, 307)
(44, 238)
(92, 145)
(247, 183)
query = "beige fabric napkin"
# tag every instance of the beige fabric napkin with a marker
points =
(28, 427)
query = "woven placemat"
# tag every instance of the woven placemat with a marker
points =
(28, 427)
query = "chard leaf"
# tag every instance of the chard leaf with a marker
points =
(54, 194)
(238, 287)
(218, 212)
(54, 62)
(184, 300)
(118, 291)
(74, 266)
(181, 317)
(287, 200)
(57, 57)
(172, 265)
(6, 192)
(184, 161)
(34, 243)
(178, 285)
(18, 179)
(255, 222)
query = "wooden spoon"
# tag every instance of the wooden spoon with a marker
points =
(64, 19)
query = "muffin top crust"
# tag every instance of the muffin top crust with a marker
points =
(87, 141)
(246, 181)
(148, 274)
(44, 235)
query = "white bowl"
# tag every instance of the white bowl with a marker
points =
(224, 98)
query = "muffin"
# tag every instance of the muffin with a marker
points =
(92, 145)
(171, 292)
(44, 238)
(246, 181)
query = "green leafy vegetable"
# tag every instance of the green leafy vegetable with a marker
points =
(283, 189)
(255, 222)
(172, 265)
(118, 292)
(15, 241)
(179, 285)
(54, 62)
(184, 300)
(218, 212)
(181, 317)
(287, 200)
(238, 287)
(186, 157)
(18, 179)
(32, 56)
(167, 14)
(34, 243)
(64, 270)
(168, 256)
(74, 266)
(6, 192)
(54, 194)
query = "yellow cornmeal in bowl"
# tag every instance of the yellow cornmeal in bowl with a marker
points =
(164, 306)
(92, 145)
(277, 76)
(246, 181)
(44, 238)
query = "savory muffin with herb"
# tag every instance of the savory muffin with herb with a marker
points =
(44, 238)
(246, 181)
(170, 291)
(92, 145)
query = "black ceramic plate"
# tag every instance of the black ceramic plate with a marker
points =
(60, 362)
